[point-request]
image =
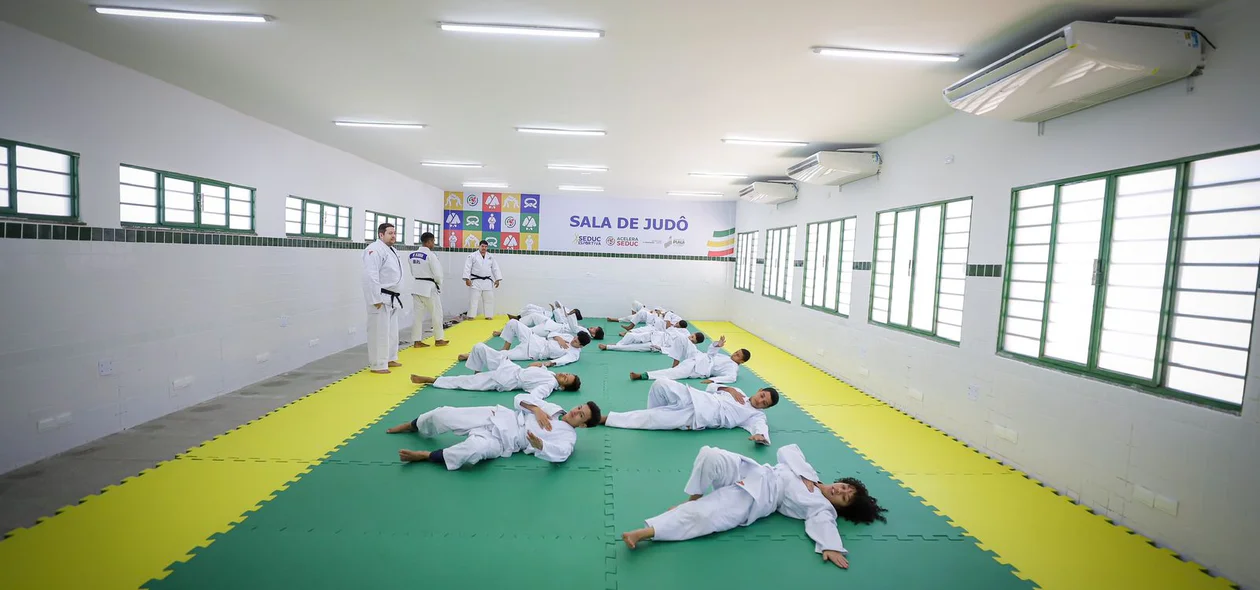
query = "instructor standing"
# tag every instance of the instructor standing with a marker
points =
(382, 288)
(427, 271)
(481, 273)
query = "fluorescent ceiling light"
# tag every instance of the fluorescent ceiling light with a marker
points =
(718, 175)
(694, 194)
(551, 131)
(182, 15)
(746, 141)
(878, 54)
(451, 164)
(577, 167)
(486, 184)
(521, 30)
(380, 124)
(577, 187)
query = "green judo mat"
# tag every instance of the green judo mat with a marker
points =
(361, 518)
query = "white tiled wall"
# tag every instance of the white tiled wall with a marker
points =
(1094, 441)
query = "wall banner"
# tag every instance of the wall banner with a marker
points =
(606, 225)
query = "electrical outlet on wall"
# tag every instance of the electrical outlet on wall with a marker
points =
(284, 321)
(352, 330)
(1006, 434)
(314, 342)
(915, 394)
(863, 371)
(973, 392)
(105, 368)
(1166, 504)
(263, 357)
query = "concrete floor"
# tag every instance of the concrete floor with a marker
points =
(39, 489)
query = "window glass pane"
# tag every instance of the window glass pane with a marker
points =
(330, 221)
(1225, 333)
(29, 157)
(1210, 385)
(138, 195)
(1236, 251)
(215, 219)
(292, 227)
(37, 204)
(1031, 291)
(241, 223)
(136, 176)
(1230, 168)
(1218, 278)
(925, 268)
(1022, 345)
(1216, 305)
(1035, 197)
(1230, 196)
(1233, 223)
(137, 214)
(293, 215)
(292, 203)
(1021, 309)
(949, 332)
(1210, 358)
(1077, 242)
(903, 259)
(241, 194)
(43, 182)
(239, 208)
(178, 215)
(177, 185)
(213, 204)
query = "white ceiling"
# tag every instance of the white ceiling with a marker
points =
(668, 81)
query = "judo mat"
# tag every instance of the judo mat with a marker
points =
(313, 495)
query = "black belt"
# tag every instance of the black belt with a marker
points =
(479, 277)
(435, 283)
(394, 296)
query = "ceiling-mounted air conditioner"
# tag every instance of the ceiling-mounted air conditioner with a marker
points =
(1079, 66)
(836, 168)
(768, 193)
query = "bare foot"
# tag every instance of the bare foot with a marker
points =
(413, 456)
(421, 379)
(603, 347)
(632, 538)
(381, 371)
(635, 376)
(395, 364)
(407, 427)
(462, 357)
(441, 342)
(420, 345)
(496, 333)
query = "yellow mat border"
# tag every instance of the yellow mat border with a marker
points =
(161, 515)
(1048, 570)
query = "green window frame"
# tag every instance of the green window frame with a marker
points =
(149, 197)
(373, 219)
(316, 219)
(418, 228)
(776, 278)
(1143, 277)
(930, 242)
(38, 182)
(829, 247)
(745, 261)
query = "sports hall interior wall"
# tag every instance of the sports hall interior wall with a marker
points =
(1091, 440)
(181, 317)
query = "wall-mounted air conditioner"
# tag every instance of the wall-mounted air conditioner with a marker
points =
(1079, 66)
(768, 193)
(835, 168)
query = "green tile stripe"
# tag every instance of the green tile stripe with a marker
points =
(153, 235)
(724, 233)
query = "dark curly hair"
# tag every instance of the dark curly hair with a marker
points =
(864, 509)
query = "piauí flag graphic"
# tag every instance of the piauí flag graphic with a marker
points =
(722, 243)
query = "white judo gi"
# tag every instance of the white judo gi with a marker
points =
(676, 406)
(382, 283)
(743, 492)
(712, 365)
(674, 342)
(544, 322)
(496, 431)
(499, 373)
(528, 345)
(483, 271)
(427, 292)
